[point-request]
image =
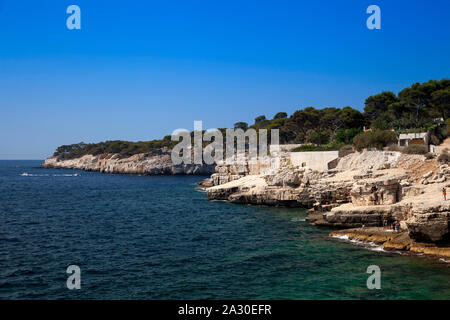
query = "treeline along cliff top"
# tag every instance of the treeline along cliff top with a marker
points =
(420, 107)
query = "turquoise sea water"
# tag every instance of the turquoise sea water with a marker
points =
(141, 237)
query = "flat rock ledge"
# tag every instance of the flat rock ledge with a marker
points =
(392, 240)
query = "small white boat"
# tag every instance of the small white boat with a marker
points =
(24, 174)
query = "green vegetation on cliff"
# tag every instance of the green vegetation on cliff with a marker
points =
(123, 148)
(416, 108)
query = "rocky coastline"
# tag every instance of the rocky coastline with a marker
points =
(361, 193)
(144, 164)
(391, 240)
(366, 190)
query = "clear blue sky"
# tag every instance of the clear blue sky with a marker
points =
(137, 70)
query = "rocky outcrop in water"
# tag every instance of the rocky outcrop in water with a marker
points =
(391, 240)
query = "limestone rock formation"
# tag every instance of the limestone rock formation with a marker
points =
(378, 191)
(146, 164)
(370, 189)
(430, 223)
(393, 240)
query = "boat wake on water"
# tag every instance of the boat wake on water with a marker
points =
(25, 174)
(367, 245)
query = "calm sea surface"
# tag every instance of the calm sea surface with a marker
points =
(140, 237)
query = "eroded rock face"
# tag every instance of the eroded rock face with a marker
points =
(270, 196)
(378, 191)
(285, 178)
(156, 164)
(332, 192)
(430, 223)
(222, 193)
(289, 187)
(350, 216)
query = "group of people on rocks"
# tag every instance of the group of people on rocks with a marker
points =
(394, 226)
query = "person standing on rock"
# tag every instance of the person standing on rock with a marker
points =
(444, 193)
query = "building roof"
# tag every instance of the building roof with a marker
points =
(419, 135)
